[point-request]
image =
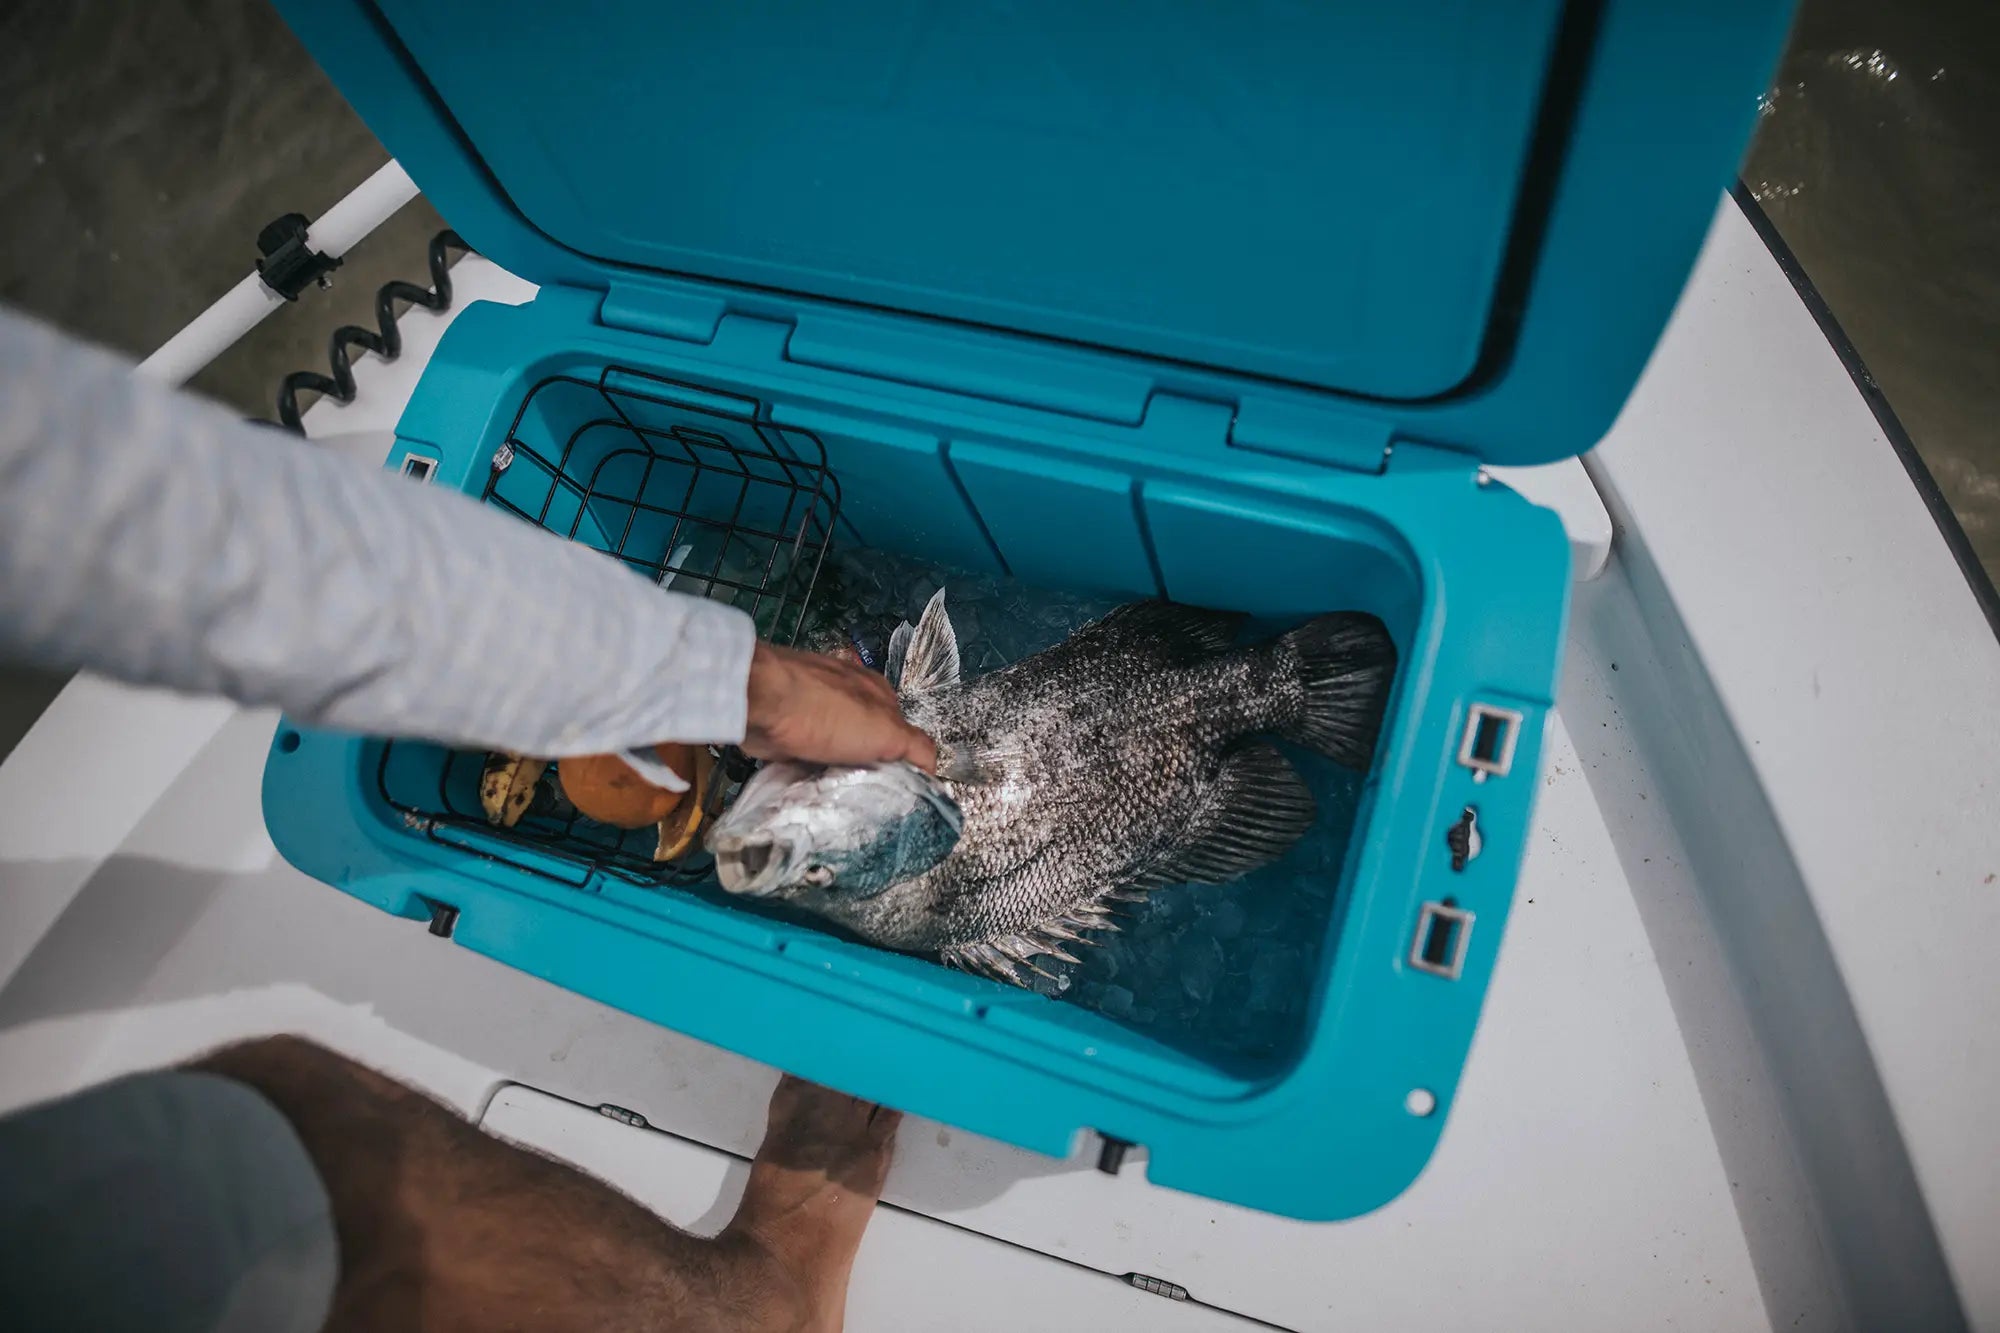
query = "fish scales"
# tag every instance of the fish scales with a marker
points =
(1126, 756)
(1099, 762)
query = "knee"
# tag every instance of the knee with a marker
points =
(281, 1048)
(287, 1060)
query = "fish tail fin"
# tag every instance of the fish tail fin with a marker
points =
(1346, 663)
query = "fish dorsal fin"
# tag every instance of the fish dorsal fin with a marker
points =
(1169, 630)
(930, 655)
(1258, 807)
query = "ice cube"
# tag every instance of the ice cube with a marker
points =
(1052, 985)
(874, 596)
(1274, 989)
(1199, 959)
(1225, 917)
(1201, 967)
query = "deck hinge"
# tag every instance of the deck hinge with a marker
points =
(623, 1116)
(1159, 1286)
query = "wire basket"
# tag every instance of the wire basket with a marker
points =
(695, 489)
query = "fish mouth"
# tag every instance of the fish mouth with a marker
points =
(753, 865)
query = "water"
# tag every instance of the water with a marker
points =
(1223, 971)
(1878, 157)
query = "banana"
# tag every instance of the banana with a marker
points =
(680, 830)
(507, 785)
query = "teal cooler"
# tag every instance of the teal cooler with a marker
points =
(1228, 303)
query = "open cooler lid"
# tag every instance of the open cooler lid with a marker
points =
(1470, 219)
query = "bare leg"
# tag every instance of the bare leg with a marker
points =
(813, 1188)
(443, 1227)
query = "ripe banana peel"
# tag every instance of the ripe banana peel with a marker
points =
(680, 831)
(507, 785)
(507, 788)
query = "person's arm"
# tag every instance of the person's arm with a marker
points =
(153, 537)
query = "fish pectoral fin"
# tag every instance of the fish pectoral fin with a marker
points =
(899, 648)
(930, 657)
(1258, 807)
(986, 762)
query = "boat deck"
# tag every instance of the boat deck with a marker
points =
(1738, 1028)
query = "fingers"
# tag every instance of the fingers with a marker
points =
(919, 749)
(902, 740)
(826, 710)
(851, 677)
(895, 739)
(875, 684)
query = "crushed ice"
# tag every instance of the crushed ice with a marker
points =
(1223, 971)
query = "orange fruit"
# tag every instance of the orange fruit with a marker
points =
(604, 787)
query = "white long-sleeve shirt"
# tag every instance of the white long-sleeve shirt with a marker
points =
(154, 537)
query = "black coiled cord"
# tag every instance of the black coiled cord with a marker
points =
(386, 340)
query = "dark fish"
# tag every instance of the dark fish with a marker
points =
(1128, 756)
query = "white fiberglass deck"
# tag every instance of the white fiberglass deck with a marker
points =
(1747, 752)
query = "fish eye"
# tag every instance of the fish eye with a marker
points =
(818, 876)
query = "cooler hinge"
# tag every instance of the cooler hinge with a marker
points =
(1018, 372)
(1312, 432)
(663, 312)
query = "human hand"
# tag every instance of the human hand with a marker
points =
(824, 710)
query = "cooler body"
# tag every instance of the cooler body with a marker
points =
(644, 447)
(1229, 305)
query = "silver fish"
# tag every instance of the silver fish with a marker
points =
(800, 825)
(1125, 757)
